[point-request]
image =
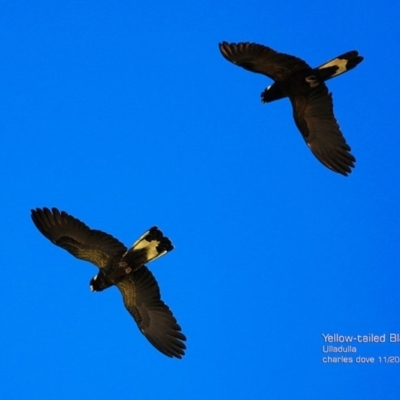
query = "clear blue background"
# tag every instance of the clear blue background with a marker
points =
(125, 115)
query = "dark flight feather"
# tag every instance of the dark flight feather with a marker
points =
(141, 296)
(263, 60)
(77, 238)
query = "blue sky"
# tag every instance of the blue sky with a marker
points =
(125, 115)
